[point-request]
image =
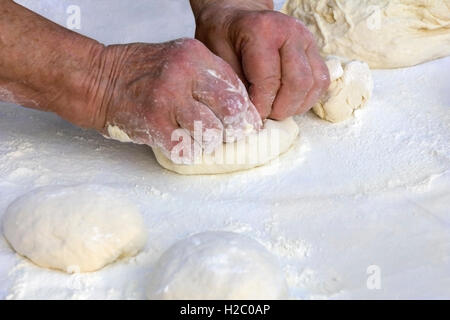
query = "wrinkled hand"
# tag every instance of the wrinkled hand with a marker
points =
(155, 89)
(274, 54)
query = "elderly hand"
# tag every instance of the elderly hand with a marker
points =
(151, 90)
(148, 91)
(274, 54)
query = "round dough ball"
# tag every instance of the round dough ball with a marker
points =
(74, 229)
(217, 265)
(255, 150)
(350, 89)
(384, 33)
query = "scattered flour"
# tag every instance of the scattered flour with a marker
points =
(373, 190)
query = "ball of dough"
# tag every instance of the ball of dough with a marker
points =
(350, 89)
(384, 33)
(74, 229)
(255, 150)
(217, 265)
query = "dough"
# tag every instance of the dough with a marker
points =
(257, 149)
(351, 87)
(118, 134)
(384, 33)
(74, 229)
(217, 265)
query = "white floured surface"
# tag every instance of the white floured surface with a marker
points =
(374, 190)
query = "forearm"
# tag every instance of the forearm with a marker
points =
(198, 6)
(45, 66)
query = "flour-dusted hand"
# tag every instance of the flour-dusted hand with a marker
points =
(154, 89)
(136, 92)
(274, 54)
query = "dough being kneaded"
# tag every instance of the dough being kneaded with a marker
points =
(384, 33)
(350, 89)
(255, 150)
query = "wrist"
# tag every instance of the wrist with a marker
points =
(110, 73)
(81, 88)
(72, 86)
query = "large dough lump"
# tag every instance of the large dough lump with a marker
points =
(384, 33)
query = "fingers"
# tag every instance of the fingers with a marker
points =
(296, 81)
(262, 69)
(160, 129)
(205, 128)
(321, 78)
(224, 50)
(220, 89)
(286, 74)
(192, 126)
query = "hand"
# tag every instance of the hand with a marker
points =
(150, 90)
(146, 90)
(274, 54)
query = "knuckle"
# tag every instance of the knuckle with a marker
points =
(264, 20)
(186, 49)
(259, 19)
(192, 44)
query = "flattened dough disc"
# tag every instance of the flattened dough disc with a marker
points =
(256, 150)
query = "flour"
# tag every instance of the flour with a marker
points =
(371, 190)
